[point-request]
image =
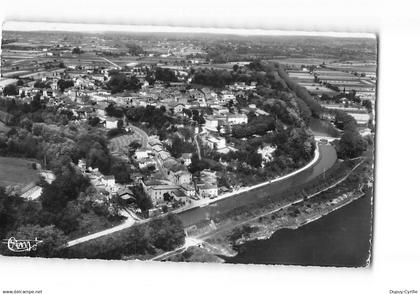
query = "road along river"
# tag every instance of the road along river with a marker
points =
(272, 191)
(275, 190)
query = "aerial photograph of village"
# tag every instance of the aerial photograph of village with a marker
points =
(187, 147)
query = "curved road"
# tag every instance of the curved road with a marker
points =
(198, 146)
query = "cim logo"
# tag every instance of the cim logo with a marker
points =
(21, 245)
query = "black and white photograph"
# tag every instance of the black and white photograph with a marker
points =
(187, 146)
(183, 147)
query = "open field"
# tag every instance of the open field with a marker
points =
(120, 143)
(318, 89)
(301, 61)
(227, 66)
(15, 171)
(366, 68)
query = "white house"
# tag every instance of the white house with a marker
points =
(215, 142)
(179, 107)
(211, 123)
(109, 181)
(182, 177)
(186, 158)
(237, 119)
(207, 190)
(226, 96)
(188, 190)
(146, 162)
(33, 193)
(266, 153)
(141, 153)
(157, 192)
(111, 123)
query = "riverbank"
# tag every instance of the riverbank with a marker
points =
(308, 213)
(207, 201)
(341, 238)
(234, 230)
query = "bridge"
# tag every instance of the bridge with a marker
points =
(323, 138)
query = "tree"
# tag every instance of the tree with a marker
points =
(94, 121)
(180, 146)
(9, 207)
(120, 82)
(134, 145)
(112, 110)
(142, 199)
(135, 49)
(165, 75)
(66, 187)
(368, 105)
(64, 84)
(51, 237)
(351, 145)
(53, 199)
(40, 84)
(76, 50)
(10, 90)
(167, 233)
(121, 171)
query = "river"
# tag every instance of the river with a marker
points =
(342, 238)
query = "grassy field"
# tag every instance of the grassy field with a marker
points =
(301, 61)
(120, 144)
(15, 171)
(227, 66)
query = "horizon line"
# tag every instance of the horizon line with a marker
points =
(30, 26)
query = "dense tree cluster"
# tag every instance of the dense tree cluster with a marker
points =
(41, 85)
(351, 144)
(38, 134)
(165, 75)
(77, 50)
(142, 199)
(180, 146)
(67, 186)
(300, 92)
(119, 82)
(134, 49)
(257, 126)
(55, 216)
(10, 90)
(165, 233)
(152, 115)
(93, 147)
(121, 171)
(368, 105)
(204, 163)
(114, 111)
(52, 239)
(64, 84)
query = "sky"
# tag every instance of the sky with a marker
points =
(78, 27)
